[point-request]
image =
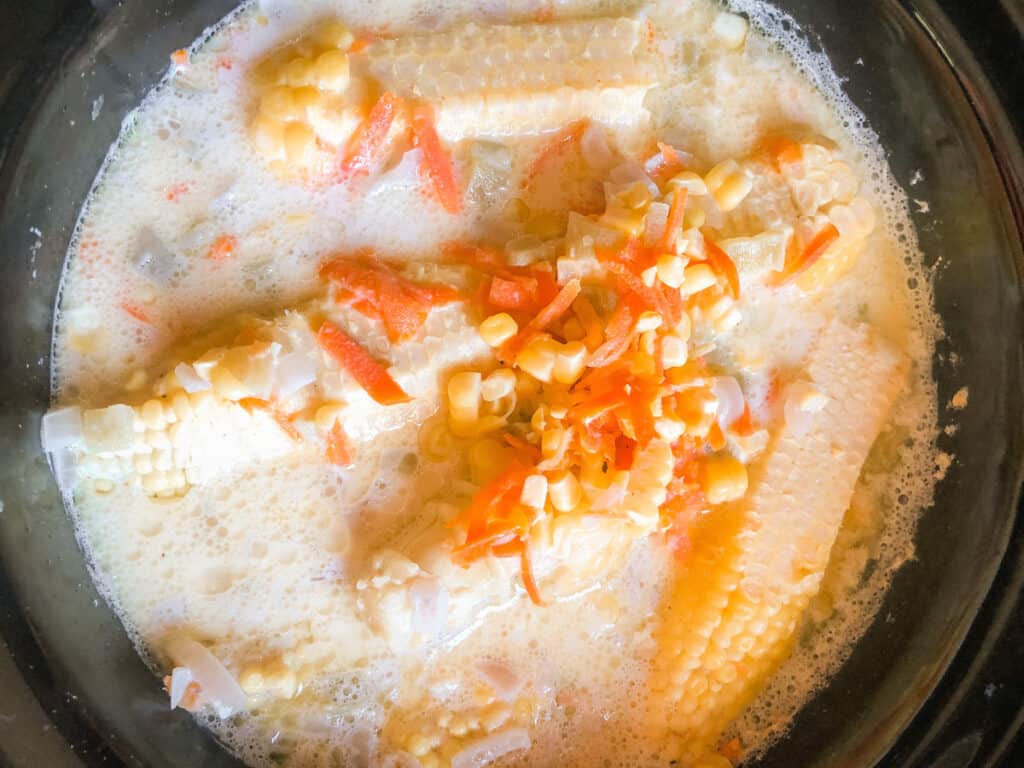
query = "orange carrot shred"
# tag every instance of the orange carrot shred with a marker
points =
(811, 253)
(528, 581)
(674, 222)
(362, 43)
(437, 168)
(558, 307)
(259, 404)
(337, 446)
(180, 57)
(222, 247)
(368, 372)
(723, 266)
(137, 312)
(365, 147)
(571, 134)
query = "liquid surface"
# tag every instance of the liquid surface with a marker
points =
(282, 565)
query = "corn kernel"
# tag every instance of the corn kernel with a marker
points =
(419, 745)
(464, 397)
(306, 98)
(694, 217)
(648, 321)
(333, 34)
(298, 143)
(136, 381)
(696, 278)
(569, 363)
(637, 196)
(690, 181)
(670, 269)
(538, 359)
(572, 330)
(331, 71)
(495, 716)
(226, 384)
(724, 479)
(299, 72)
(497, 329)
(551, 440)
(278, 104)
(486, 459)
(498, 384)
(152, 415)
(728, 184)
(626, 220)
(565, 492)
(649, 275)
(730, 28)
(535, 491)
(669, 430)
(674, 351)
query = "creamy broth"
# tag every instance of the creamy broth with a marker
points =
(282, 565)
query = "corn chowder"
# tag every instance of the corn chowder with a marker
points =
(518, 384)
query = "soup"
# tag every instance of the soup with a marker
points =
(458, 384)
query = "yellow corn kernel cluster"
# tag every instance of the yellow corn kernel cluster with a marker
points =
(303, 95)
(547, 360)
(732, 616)
(509, 79)
(434, 736)
(478, 403)
(728, 183)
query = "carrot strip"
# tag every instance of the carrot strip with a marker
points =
(222, 247)
(366, 146)
(527, 573)
(558, 307)
(368, 372)
(674, 223)
(618, 334)
(337, 447)
(590, 321)
(571, 134)
(437, 168)
(529, 450)
(137, 312)
(625, 452)
(362, 43)
(723, 266)
(258, 404)
(811, 253)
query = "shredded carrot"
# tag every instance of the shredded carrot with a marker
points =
(177, 190)
(365, 147)
(723, 266)
(180, 57)
(549, 314)
(625, 452)
(337, 446)
(437, 168)
(590, 321)
(732, 750)
(221, 248)
(811, 253)
(368, 372)
(362, 43)
(137, 312)
(514, 292)
(527, 573)
(259, 404)
(618, 335)
(378, 291)
(674, 222)
(568, 136)
(528, 451)
(782, 150)
(744, 425)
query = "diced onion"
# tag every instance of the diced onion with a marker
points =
(153, 259)
(61, 429)
(501, 677)
(490, 748)
(594, 146)
(180, 679)
(217, 687)
(189, 379)
(294, 371)
(654, 227)
(607, 498)
(429, 601)
(730, 400)
(629, 173)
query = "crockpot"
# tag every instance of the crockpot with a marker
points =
(936, 681)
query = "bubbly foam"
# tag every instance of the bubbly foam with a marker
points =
(186, 145)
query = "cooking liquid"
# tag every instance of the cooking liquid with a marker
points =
(260, 564)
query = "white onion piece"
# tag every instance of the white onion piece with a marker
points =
(594, 147)
(189, 379)
(64, 469)
(490, 748)
(61, 429)
(629, 173)
(405, 175)
(501, 677)
(294, 371)
(654, 224)
(429, 606)
(730, 400)
(608, 498)
(217, 686)
(153, 259)
(180, 678)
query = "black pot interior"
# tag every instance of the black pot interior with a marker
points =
(71, 648)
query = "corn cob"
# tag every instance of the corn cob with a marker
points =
(504, 80)
(732, 617)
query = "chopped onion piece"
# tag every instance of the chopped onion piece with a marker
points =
(654, 226)
(594, 146)
(180, 679)
(629, 173)
(153, 259)
(294, 371)
(730, 400)
(610, 497)
(189, 379)
(429, 606)
(501, 677)
(217, 686)
(61, 429)
(490, 748)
